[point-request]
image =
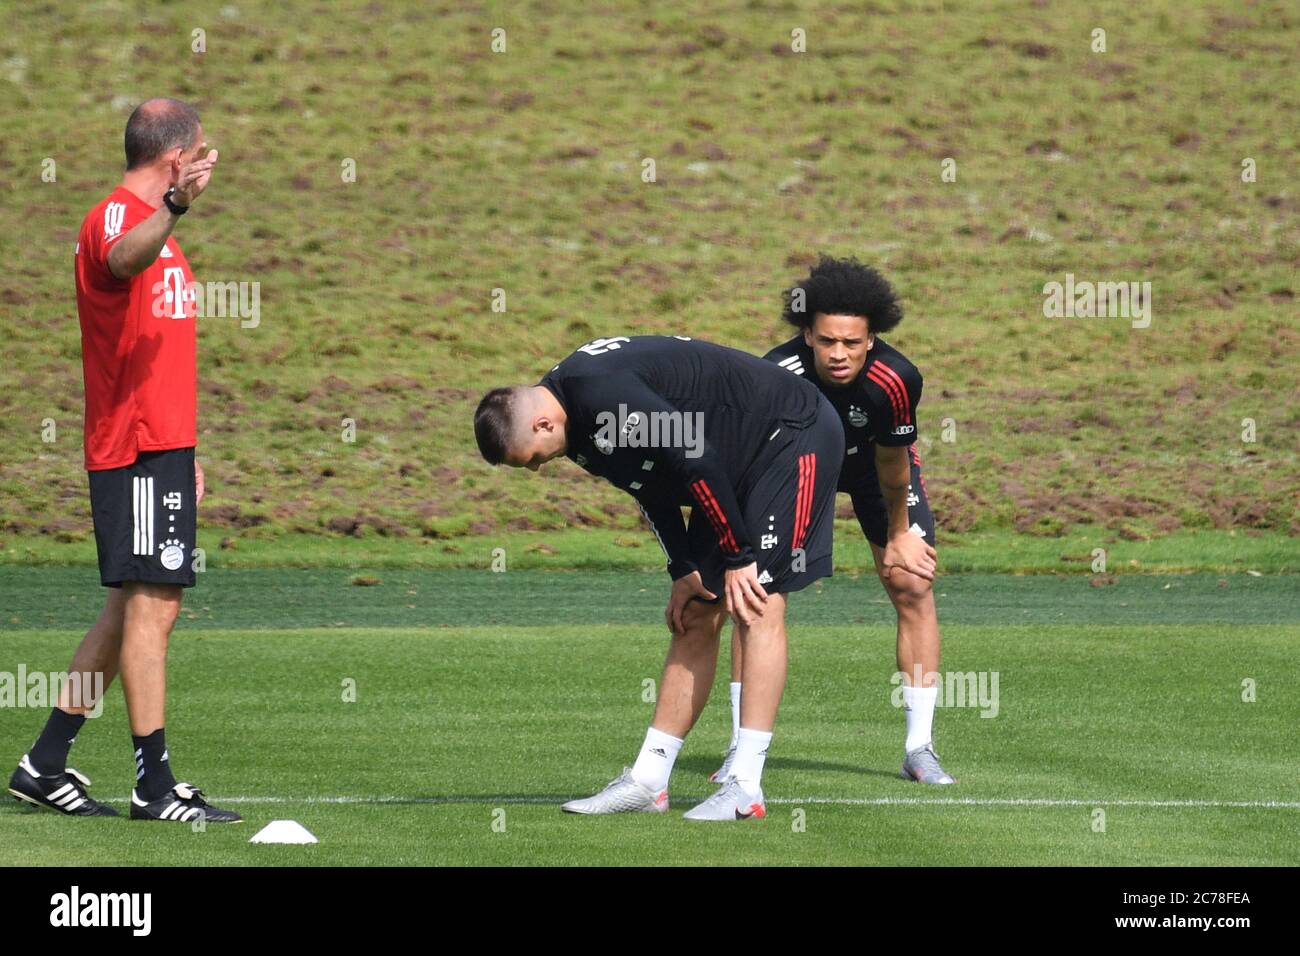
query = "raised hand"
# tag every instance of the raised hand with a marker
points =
(194, 178)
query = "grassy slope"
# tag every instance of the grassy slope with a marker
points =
(520, 171)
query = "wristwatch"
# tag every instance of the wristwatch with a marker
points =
(175, 209)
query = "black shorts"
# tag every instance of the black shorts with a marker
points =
(873, 514)
(789, 510)
(145, 519)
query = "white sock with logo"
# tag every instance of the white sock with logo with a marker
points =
(751, 754)
(735, 713)
(919, 704)
(654, 765)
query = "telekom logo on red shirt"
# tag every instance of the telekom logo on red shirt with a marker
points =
(175, 298)
(172, 293)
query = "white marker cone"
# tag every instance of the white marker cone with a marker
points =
(283, 831)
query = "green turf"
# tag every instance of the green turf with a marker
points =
(276, 598)
(451, 723)
(636, 550)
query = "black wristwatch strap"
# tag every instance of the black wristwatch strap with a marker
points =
(175, 209)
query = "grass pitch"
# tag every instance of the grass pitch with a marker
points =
(462, 740)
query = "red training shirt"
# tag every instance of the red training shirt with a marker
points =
(139, 367)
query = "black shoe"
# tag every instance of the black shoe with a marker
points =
(183, 803)
(64, 792)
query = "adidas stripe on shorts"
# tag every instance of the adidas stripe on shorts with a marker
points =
(145, 519)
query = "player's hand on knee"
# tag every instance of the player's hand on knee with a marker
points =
(745, 596)
(684, 588)
(912, 554)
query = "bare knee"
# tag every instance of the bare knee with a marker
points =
(769, 624)
(703, 620)
(909, 592)
(151, 607)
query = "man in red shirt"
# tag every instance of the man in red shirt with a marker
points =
(136, 302)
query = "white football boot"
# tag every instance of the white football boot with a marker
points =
(621, 795)
(922, 765)
(732, 802)
(722, 773)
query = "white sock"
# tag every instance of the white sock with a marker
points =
(919, 704)
(654, 765)
(735, 713)
(751, 754)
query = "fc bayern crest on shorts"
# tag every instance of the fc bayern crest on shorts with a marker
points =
(145, 519)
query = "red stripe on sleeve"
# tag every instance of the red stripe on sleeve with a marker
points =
(714, 512)
(898, 410)
(887, 387)
(902, 392)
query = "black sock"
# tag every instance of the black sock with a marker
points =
(49, 755)
(153, 772)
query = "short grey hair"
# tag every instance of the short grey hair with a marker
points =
(157, 126)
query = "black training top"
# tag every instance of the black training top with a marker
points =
(676, 421)
(878, 406)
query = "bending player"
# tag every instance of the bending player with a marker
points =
(755, 454)
(840, 310)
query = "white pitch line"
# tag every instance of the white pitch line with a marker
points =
(1041, 802)
(787, 801)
